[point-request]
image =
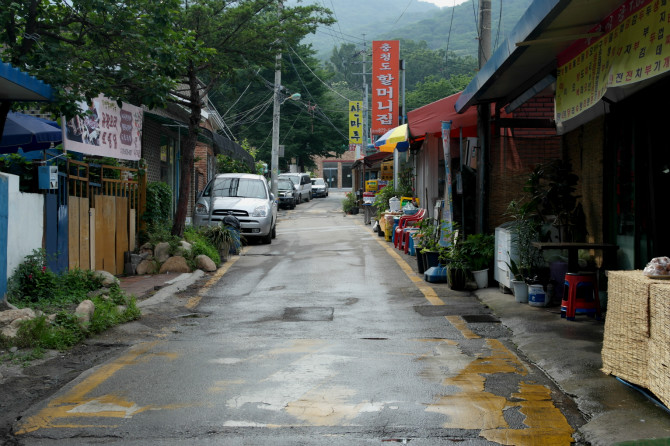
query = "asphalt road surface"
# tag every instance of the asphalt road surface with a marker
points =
(325, 337)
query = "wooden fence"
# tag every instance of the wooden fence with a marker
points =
(104, 206)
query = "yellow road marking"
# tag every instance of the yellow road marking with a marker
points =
(428, 292)
(76, 402)
(195, 300)
(473, 407)
(462, 326)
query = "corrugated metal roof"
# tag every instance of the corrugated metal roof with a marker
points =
(546, 29)
(15, 85)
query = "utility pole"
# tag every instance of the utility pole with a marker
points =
(365, 100)
(274, 165)
(483, 117)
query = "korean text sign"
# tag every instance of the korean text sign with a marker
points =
(385, 83)
(106, 130)
(631, 46)
(355, 123)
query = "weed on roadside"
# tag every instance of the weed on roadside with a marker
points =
(54, 298)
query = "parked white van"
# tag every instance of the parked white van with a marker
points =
(303, 183)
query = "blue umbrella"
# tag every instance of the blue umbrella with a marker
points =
(29, 133)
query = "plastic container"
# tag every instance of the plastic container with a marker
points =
(435, 274)
(537, 297)
(394, 204)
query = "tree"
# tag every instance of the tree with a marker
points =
(81, 48)
(314, 126)
(433, 89)
(226, 35)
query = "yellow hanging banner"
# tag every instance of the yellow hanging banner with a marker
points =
(632, 46)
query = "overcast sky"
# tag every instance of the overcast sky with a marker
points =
(445, 2)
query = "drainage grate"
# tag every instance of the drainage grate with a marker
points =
(300, 314)
(448, 310)
(475, 318)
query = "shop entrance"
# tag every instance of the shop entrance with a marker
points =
(330, 175)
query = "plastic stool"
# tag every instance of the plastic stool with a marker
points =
(580, 295)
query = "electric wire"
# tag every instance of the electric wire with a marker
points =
(403, 12)
(316, 106)
(317, 77)
(446, 55)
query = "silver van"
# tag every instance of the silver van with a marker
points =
(304, 184)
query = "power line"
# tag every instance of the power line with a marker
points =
(320, 80)
(403, 12)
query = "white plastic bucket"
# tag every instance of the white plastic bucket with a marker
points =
(482, 278)
(536, 296)
(520, 291)
(394, 204)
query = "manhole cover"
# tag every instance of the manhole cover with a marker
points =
(298, 314)
(474, 318)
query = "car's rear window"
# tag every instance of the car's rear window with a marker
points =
(238, 187)
(284, 184)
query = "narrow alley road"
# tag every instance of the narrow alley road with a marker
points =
(327, 336)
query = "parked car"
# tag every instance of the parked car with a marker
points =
(319, 187)
(304, 184)
(247, 197)
(288, 193)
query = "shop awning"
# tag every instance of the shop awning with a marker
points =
(547, 28)
(372, 160)
(15, 85)
(428, 119)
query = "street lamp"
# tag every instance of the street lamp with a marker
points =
(274, 165)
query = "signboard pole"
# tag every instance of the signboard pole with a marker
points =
(447, 224)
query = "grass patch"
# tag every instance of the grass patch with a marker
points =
(54, 298)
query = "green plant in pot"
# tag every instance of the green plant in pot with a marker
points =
(454, 258)
(524, 231)
(350, 204)
(223, 238)
(551, 187)
(478, 250)
(429, 242)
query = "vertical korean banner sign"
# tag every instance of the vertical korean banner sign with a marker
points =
(355, 125)
(631, 47)
(448, 209)
(106, 130)
(385, 84)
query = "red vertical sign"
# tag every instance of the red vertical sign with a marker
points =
(385, 85)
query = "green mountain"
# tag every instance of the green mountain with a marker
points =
(359, 20)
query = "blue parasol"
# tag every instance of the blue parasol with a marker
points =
(28, 133)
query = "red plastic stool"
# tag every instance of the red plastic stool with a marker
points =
(580, 295)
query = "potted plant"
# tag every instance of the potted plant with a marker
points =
(456, 262)
(224, 239)
(478, 250)
(551, 187)
(429, 246)
(350, 204)
(519, 285)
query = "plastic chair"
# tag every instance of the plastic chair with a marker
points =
(580, 296)
(404, 221)
(410, 225)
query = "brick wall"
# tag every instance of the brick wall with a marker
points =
(515, 153)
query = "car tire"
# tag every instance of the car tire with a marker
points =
(299, 199)
(266, 240)
(274, 231)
